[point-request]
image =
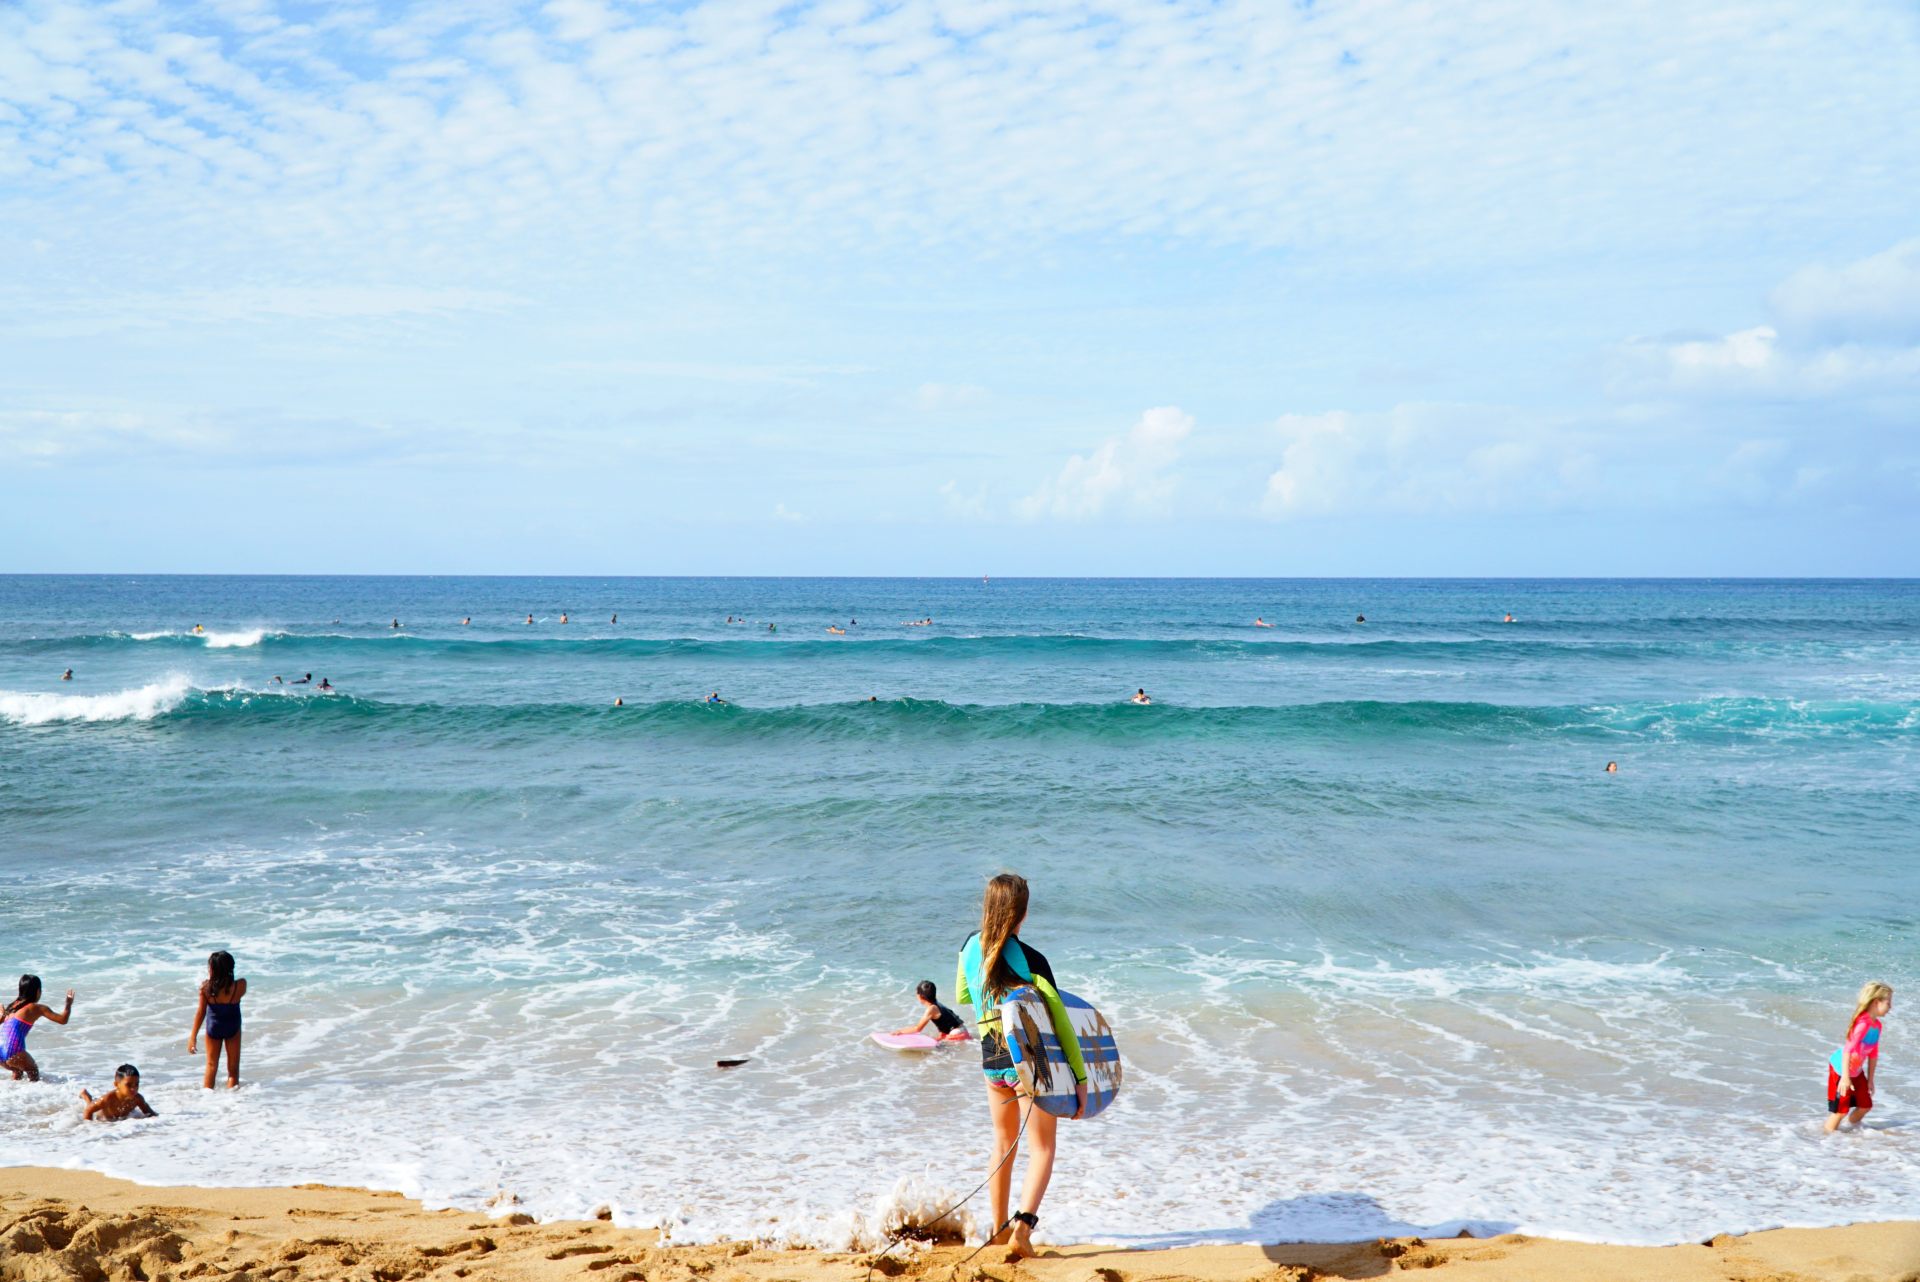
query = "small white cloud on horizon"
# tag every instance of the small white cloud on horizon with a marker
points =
(1131, 471)
(782, 513)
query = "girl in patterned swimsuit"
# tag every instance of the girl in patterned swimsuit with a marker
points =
(1850, 1071)
(20, 1015)
(219, 1008)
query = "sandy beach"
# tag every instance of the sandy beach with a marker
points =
(72, 1226)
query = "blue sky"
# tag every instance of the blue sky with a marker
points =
(1134, 287)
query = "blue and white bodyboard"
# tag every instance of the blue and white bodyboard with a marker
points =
(1041, 1061)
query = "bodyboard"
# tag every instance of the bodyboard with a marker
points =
(1041, 1061)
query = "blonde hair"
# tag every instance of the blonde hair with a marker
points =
(1002, 912)
(1870, 992)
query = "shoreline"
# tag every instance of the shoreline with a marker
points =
(59, 1224)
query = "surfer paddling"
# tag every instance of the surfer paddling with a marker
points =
(947, 1026)
(994, 962)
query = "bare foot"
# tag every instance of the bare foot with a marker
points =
(1001, 1238)
(1020, 1247)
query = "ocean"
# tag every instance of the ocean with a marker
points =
(1385, 949)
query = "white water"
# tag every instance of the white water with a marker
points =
(142, 703)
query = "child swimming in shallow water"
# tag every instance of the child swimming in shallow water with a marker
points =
(219, 1010)
(121, 1101)
(948, 1026)
(1850, 1070)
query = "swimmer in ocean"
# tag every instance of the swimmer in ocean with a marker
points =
(839, 632)
(304, 680)
(563, 616)
(618, 702)
(529, 620)
(394, 624)
(1259, 622)
(1140, 696)
(614, 619)
(1359, 618)
(326, 685)
(467, 622)
(197, 629)
(1508, 619)
(67, 675)
(1613, 767)
(715, 698)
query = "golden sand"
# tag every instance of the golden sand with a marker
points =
(70, 1226)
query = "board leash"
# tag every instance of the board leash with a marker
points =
(896, 1237)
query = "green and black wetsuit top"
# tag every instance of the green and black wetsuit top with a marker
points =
(1027, 962)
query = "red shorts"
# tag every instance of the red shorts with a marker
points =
(1861, 1097)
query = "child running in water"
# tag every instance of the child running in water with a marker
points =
(19, 1016)
(947, 1025)
(219, 1008)
(1850, 1071)
(119, 1102)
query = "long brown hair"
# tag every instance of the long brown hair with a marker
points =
(1005, 908)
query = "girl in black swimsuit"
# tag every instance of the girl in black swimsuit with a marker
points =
(219, 1008)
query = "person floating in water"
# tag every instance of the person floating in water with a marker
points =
(394, 624)
(219, 1010)
(614, 619)
(563, 617)
(1613, 767)
(839, 632)
(19, 1017)
(304, 680)
(1508, 619)
(122, 1101)
(467, 622)
(277, 681)
(1259, 622)
(715, 698)
(529, 620)
(1851, 1069)
(67, 675)
(198, 629)
(618, 702)
(772, 628)
(1140, 696)
(1359, 618)
(326, 685)
(948, 1026)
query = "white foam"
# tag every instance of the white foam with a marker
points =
(233, 640)
(140, 704)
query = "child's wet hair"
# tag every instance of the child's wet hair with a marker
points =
(29, 993)
(126, 1071)
(219, 971)
(926, 991)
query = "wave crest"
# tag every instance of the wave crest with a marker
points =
(141, 704)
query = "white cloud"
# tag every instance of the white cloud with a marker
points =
(1131, 471)
(781, 513)
(428, 134)
(1852, 330)
(1424, 458)
(1874, 300)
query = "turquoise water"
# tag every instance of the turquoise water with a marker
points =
(1384, 947)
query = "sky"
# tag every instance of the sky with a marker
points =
(1136, 287)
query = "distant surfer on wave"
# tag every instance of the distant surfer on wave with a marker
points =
(994, 962)
(1259, 622)
(1140, 696)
